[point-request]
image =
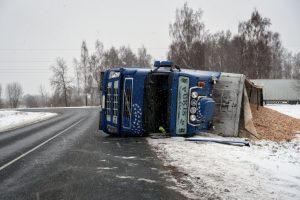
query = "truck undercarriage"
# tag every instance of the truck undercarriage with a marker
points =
(156, 99)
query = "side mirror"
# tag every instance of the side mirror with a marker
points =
(214, 80)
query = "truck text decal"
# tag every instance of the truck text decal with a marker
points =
(182, 105)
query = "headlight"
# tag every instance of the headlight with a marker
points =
(193, 118)
(193, 110)
(194, 95)
(193, 102)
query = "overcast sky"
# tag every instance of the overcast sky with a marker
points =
(34, 32)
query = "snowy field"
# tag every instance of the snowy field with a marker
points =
(11, 119)
(265, 170)
(290, 110)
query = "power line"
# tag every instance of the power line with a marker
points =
(25, 68)
(14, 72)
(77, 49)
(21, 62)
(40, 49)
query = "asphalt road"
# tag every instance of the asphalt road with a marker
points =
(67, 158)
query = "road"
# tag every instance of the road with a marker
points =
(67, 158)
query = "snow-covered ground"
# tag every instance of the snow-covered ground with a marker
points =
(290, 110)
(70, 107)
(11, 119)
(265, 170)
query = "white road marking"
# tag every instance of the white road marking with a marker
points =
(38, 146)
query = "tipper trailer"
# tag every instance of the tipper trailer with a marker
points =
(139, 101)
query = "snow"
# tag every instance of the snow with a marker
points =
(125, 157)
(290, 110)
(12, 119)
(265, 170)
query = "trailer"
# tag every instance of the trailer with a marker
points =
(181, 102)
(279, 90)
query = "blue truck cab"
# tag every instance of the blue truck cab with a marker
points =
(138, 101)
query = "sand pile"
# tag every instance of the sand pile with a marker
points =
(272, 125)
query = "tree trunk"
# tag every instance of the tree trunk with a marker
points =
(66, 99)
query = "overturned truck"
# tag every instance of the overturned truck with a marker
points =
(180, 102)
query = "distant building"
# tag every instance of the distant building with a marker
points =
(280, 90)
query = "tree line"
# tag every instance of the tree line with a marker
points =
(255, 50)
(81, 88)
(13, 93)
(84, 87)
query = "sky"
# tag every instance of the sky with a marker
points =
(33, 33)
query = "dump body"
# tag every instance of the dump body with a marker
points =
(138, 101)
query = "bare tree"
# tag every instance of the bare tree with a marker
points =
(127, 57)
(92, 68)
(43, 95)
(287, 65)
(99, 51)
(143, 58)
(296, 66)
(59, 80)
(186, 32)
(258, 45)
(255, 51)
(85, 69)
(78, 77)
(111, 58)
(296, 73)
(31, 101)
(100, 66)
(14, 93)
(277, 56)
